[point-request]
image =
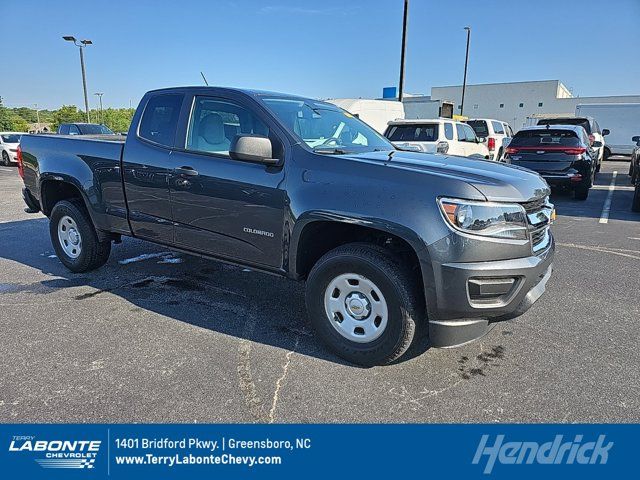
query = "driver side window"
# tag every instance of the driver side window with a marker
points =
(214, 123)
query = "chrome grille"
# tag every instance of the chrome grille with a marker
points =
(539, 219)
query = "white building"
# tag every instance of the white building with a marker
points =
(509, 102)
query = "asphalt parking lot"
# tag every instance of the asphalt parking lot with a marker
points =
(155, 336)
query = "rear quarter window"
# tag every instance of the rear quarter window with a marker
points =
(160, 119)
(427, 132)
(448, 131)
(480, 127)
(497, 128)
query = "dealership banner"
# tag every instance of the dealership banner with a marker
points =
(97, 451)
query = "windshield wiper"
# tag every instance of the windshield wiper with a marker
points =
(330, 150)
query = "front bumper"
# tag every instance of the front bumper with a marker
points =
(471, 296)
(13, 157)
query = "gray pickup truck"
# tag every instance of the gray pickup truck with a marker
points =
(389, 242)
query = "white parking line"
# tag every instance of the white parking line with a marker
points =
(604, 218)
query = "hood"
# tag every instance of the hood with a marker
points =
(496, 181)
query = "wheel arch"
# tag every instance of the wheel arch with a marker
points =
(318, 233)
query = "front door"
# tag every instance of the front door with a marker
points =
(225, 207)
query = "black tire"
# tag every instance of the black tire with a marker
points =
(399, 288)
(606, 154)
(581, 193)
(93, 253)
(635, 203)
(5, 159)
(499, 157)
(599, 164)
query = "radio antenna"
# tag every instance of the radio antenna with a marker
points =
(205, 79)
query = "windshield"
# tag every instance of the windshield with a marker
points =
(325, 127)
(11, 138)
(480, 127)
(582, 122)
(91, 129)
(425, 132)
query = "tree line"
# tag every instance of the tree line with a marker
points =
(18, 119)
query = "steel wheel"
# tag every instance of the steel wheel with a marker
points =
(356, 308)
(69, 237)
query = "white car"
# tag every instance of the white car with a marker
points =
(9, 142)
(497, 135)
(440, 135)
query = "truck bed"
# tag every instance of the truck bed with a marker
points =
(91, 163)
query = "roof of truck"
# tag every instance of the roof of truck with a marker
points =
(246, 91)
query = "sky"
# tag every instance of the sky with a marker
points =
(320, 49)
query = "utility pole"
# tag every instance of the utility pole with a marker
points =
(404, 48)
(81, 45)
(466, 63)
(99, 95)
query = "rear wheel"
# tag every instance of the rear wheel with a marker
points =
(364, 303)
(635, 204)
(75, 239)
(581, 193)
(5, 159)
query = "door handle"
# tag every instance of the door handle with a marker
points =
(186, 171)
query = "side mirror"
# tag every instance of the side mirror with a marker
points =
(481, 139)
(596, 144)
(252, 148)
(635, 139)
(605, 131)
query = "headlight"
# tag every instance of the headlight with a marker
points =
(488, 219)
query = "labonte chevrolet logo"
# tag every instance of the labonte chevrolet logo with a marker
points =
(57, 453)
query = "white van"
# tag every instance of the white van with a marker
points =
(440, 135)
(622, 121)
(376, 113)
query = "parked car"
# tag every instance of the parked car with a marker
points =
(561, 154)
(634, 173)
(620, 119)
(591, 126)
(388, 241)
(83, 129)
(448, 137)
(497, 135)
(9, 142)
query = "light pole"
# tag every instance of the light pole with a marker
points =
(466, 62)
(37, 113)
(81, 44)
(404, 47)
(99, 95)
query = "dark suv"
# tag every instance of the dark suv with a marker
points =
(595, 133)
(562, 155)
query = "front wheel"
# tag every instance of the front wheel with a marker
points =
(74, 238)
(5, 159)
(364, 303)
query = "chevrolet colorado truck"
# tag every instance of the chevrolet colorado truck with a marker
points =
(390, 243)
